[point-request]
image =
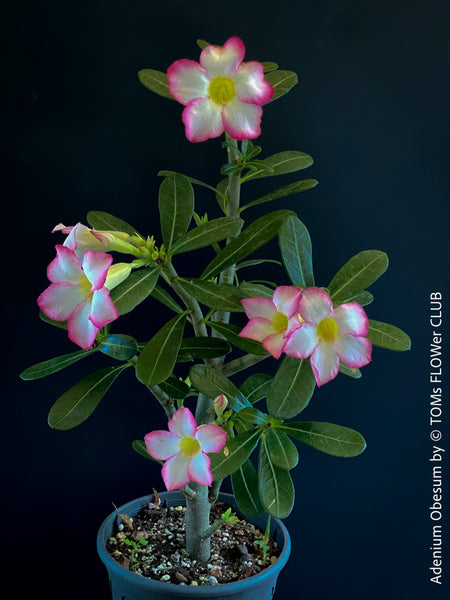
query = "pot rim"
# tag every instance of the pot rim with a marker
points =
(181, 590)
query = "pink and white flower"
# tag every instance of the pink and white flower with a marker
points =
(220, 93)
(78, 294)
(185, 448)
(272, 321)
(328, 335)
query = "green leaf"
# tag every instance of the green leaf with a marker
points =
(106, 222)
(159, 355)
(255, 387)
(208, 233)
(53, 365)
(78, 403)
(234, 454)
(357, 274)
(250, 239)
(135, 289)
(165, 298)
(364, 298)
(282, 163)
(257, 261)
(245, 481)
(283, 452)
(165, 173)
(202, 44)
(276, 489)
(155, 81)
(351, 372)
(202, 347)
(255, 290)
(388, 336)
(248, 417)
(119, 346)
(215, 295)
(327, 437)
(269, 66)
(175, 388)
(287, 190)
(296, 251)
(140, 448)
(291, 388)
(59, 324)
(176, 207)
(231, 333)
(282, 82)
(212, 383)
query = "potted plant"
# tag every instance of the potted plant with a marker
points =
(224, 323)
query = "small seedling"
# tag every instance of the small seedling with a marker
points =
(264, 543)
(135, 547)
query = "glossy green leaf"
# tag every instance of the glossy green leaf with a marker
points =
(207, 234)
(283, 452)
(282, 82)
(140, 448)
(276, 490)
(159, 355)
(327, 437)
(53, 365)
(245, 482)
(58, 324)
(78, 403)
(269, 66)
(119, 346)
(388, 336)
(202, 347)
(282, 163)
(231, 333)
(296, 252)
(215, 295)
(165, 298)
(165, 173)
(349, 371)
(257, 261)
(212, 383)
(357, 274)
(255, 387)
(364, 298)
(255, 290)
(107, 222)
(287, 190)
(175, 388)
(135, 289)
(155, 81)
(291, 388)
(234, 454)
(250, 239)
(176, 207)
(248, 417)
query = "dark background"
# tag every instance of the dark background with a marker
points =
(372, 109)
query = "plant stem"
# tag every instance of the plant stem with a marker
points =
(166, 401)
(197, 523)
(242, 363)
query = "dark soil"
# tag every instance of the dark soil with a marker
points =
(152, 544)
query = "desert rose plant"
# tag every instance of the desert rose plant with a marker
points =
(311, 332)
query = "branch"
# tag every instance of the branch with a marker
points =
(242, 363)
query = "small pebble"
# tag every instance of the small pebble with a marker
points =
(212, 580)
(194, 582)
(165, 578)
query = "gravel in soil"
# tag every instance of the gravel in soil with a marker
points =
(152, 544)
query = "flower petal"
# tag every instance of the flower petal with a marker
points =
(203, 120)
(259, 307)
(80, 328)
(162, 444)
(95, 266)
(301, 343)
(103, 310)
(183, 423)
(353, 351)
(324, 363)
(257, 329)
(211, 438)
(199, 469)
(187, 80)
(223, 60)
(351, 319)
(175, 472)
(60, 300)
(286, 298)
(250, 85)
(65, 267)
(274, 344)
(314, 305)
(242, 121)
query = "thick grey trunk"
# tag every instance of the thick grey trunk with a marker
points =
(197, 522)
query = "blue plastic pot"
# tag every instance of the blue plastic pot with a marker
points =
(126, 585)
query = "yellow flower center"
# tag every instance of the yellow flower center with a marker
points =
(221, 90)
(189, 446)
(280, 322)
(327, 330)
(85, 287)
